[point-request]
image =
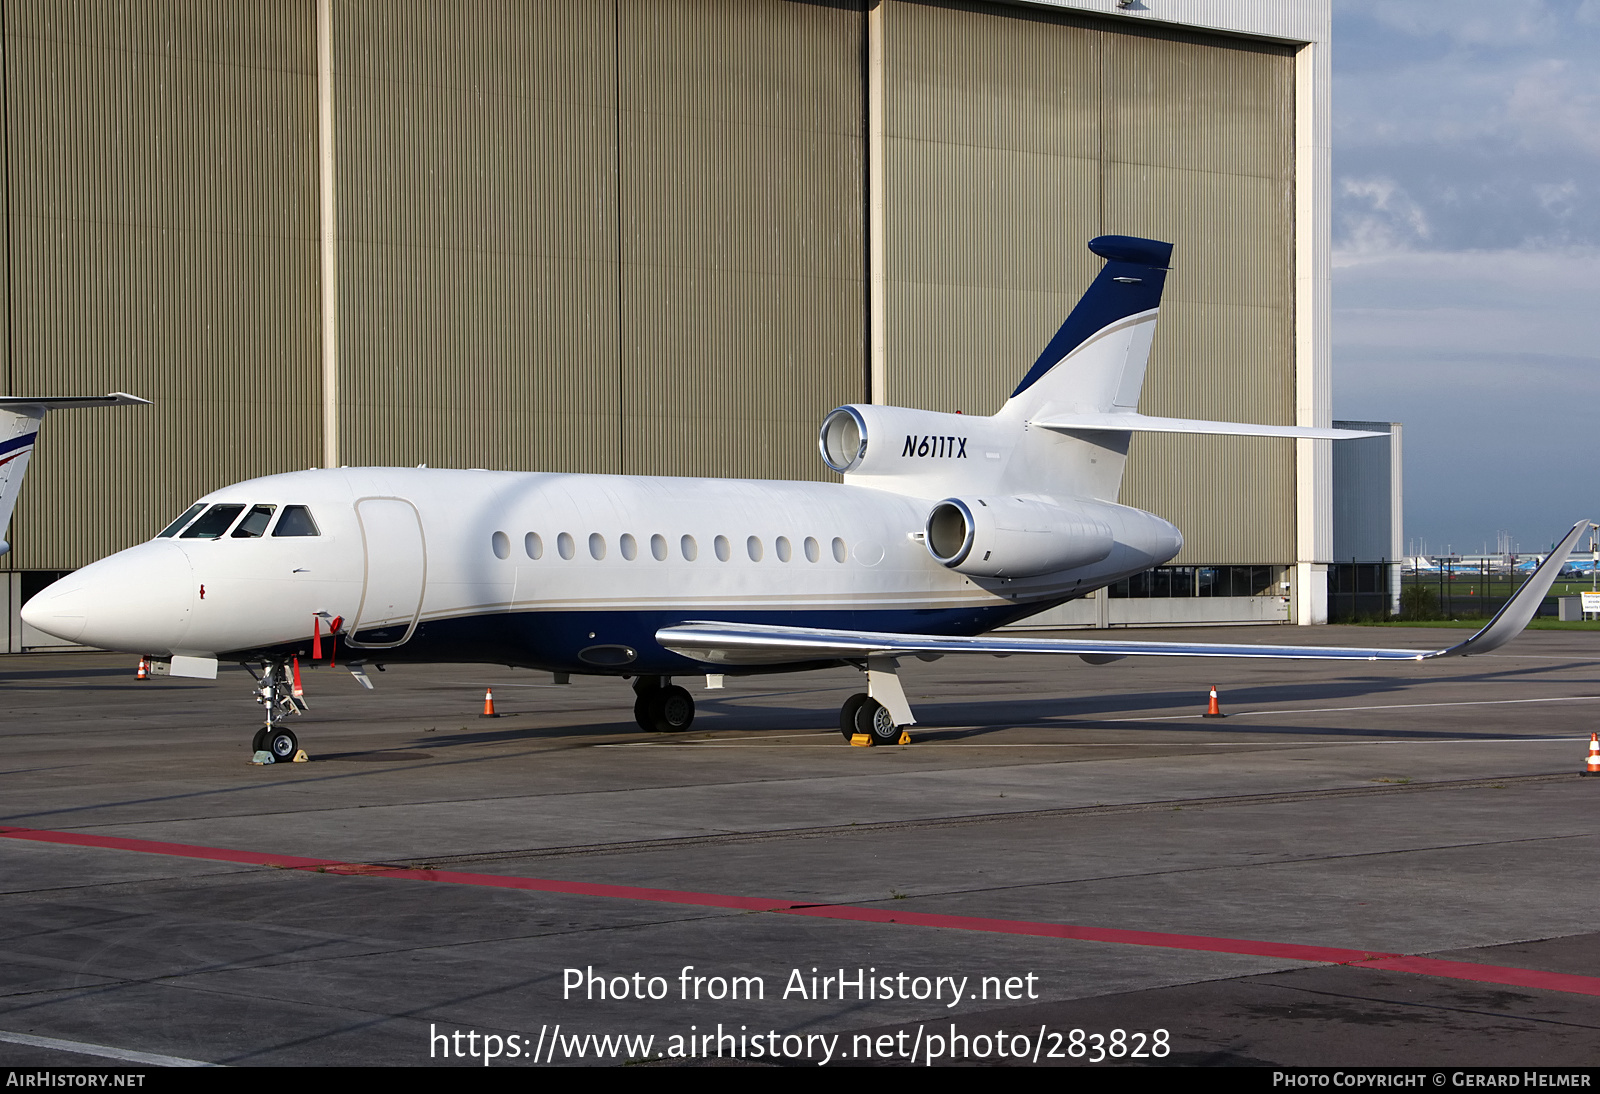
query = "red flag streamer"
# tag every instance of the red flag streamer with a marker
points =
(316, 638)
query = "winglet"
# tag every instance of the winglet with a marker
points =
(1510, 620)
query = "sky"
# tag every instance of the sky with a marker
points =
(1466, 257)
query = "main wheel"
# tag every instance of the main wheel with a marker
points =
(664, 710)
(847, 714)
(282, 744)
(676, 710)
(874, 719)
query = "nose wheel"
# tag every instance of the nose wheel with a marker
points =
(281, 742)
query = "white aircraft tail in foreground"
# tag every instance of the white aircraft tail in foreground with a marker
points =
(945, 527)
(20, 418)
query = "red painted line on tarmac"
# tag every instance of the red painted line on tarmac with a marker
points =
(1331, 955)
(152, 847)
(1488, 974)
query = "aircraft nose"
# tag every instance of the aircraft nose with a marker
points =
(138, 600)
(59, 609)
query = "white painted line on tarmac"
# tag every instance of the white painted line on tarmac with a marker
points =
(127, 1055)
(1342, 710)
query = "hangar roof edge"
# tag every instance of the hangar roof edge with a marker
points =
(1294, 21)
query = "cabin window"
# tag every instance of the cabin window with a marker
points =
(629, 546)
(839, 551)
(813, 552)
(782, 547)
(564, 546)
(255, 522)
(690, 549)
(188, 515)
(597, 546)
(295, 521)
(721, 546)
(501, 544)
(752, 547)
(533, 545)
(658, 547)
(214, 523)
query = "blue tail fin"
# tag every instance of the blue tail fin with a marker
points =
(1130, 285)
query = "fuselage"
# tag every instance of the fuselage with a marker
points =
(564, 572)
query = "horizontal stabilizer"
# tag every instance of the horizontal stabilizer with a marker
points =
(1142, 423)
(758, 644)
(70, 402)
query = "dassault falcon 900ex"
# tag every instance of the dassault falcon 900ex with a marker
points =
(945, 527)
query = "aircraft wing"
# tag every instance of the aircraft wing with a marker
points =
(759, 644)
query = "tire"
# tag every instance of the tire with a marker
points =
(874, 719)
(847, 714)
(664, 710)
(283, 744)
(675, 710)
(258, 743)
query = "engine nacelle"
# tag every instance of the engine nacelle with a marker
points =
(867, 439)
(1016, 537)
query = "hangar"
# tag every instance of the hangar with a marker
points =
(658, 237)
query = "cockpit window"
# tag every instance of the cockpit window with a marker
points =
(214, 523)
(296, 521)
(188, 515)
(255, 524)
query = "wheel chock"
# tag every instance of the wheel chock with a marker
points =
(263, 757)
(860, 740)
(300, 757)
(905, 737)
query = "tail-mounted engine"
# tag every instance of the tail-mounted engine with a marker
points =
(867, 439)
(1015, 537)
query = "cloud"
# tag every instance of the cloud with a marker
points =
(1378, 215)
(1479, 120)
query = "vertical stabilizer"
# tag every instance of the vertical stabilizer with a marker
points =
(20, 417)
(1094, 365)
(1096, 360)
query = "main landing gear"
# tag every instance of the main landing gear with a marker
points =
(881, 713)
(275, 693)
(863, 714)
(662, 706)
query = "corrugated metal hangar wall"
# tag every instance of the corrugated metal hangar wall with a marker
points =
(618, 236)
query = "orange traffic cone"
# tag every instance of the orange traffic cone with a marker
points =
(144, 670)
(1214, 711)
(299, 692)
(1592, 767)
(488, 704)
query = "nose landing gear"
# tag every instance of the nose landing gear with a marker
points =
(276, 695)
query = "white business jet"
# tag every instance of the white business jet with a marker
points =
(945, 527)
